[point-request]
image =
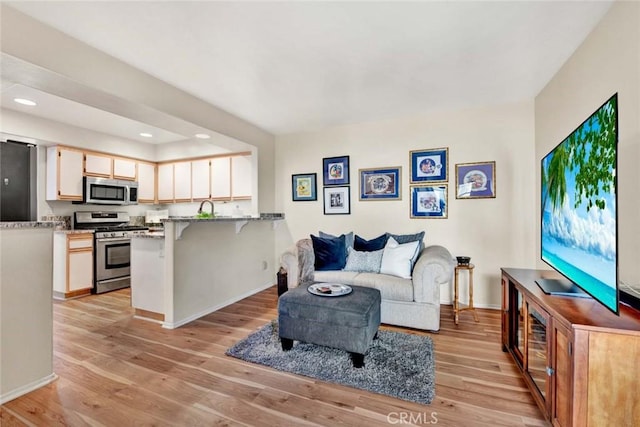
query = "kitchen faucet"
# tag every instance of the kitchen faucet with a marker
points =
(206, 201)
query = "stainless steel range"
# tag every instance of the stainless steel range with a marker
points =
(112, 255)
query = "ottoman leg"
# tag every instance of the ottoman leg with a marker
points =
(357, 359)
(287, 344)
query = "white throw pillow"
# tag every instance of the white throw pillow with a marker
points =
(397, 259)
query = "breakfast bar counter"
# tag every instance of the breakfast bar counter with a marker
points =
(201, 265)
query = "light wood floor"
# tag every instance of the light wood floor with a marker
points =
(115, 370)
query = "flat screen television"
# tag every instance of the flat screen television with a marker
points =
(579, 231)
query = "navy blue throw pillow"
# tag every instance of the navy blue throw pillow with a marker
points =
(360, 244)
(330, 253)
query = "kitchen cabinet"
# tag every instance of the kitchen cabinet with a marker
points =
(578, 359)
(99, 165)
(124, 169)
(64, 174)
(241, 177)
(182, 181)
(221, 178)
(146, 182)
(72, 264)
(200, 179)
(165, 183)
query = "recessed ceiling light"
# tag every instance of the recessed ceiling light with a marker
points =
(202, 136)
(146, 135)
(24, 101)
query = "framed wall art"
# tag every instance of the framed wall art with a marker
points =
(429, 201)
(429, 165)
(337, 200)
(303, 187)
(380, 183)
(335, 170)
(476, 180)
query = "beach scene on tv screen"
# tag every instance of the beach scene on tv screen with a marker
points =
(579, 206)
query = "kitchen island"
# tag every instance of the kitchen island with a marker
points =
(201, 265)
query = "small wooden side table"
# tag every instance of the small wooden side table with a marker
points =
(456, 301)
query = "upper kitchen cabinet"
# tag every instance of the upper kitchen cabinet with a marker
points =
(165, 183)
(182, 181)
(221, 178)
(124, 169)
(105, 166)
(99, 165)
(146, 182)
(200, 179)
(64, 173)
(241, 177)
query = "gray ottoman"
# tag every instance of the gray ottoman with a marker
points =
(349, 322)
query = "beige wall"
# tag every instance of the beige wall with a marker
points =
(494, 232)
(26, 313)
(607, 62)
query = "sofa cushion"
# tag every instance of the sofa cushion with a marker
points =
(390, 287)
(335, 276)
(330, 254)
(376, 244)
(348, 239)
(363, 261)
(397, 259)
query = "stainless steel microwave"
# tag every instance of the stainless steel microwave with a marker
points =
(103, 191)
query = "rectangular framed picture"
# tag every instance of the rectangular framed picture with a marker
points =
(429, 165)
(335, 170)
(476, 180)
(429, 201)
(303, 187)
(337, 201)
(380, 183)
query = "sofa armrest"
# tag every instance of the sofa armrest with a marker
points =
(306, 261)
(289, 261)
(434, 267)
(299, 261)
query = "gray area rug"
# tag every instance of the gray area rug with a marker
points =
(397, 364)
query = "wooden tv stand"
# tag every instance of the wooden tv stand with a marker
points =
(580, 360)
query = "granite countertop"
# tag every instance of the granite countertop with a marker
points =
(262, 217)
(148, 235)
(31, 224)
(74, 231)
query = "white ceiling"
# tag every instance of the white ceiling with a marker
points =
(301, 66)
(66, 111)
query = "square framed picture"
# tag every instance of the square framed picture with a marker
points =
(337, 201)
(335, 170)
(429, 165)
(380, 183)
(429, 201)
(303, 187)
(476, 180)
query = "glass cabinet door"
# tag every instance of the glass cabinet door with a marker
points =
(537, 347)
(517, 324)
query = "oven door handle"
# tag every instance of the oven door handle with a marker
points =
(113, 239)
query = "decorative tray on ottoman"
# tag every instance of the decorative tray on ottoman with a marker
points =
(329, 289)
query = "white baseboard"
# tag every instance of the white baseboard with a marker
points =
(27, 388)
(210, 310)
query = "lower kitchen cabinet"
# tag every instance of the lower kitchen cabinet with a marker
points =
(72, 264)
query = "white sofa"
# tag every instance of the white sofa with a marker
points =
(413, 303)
